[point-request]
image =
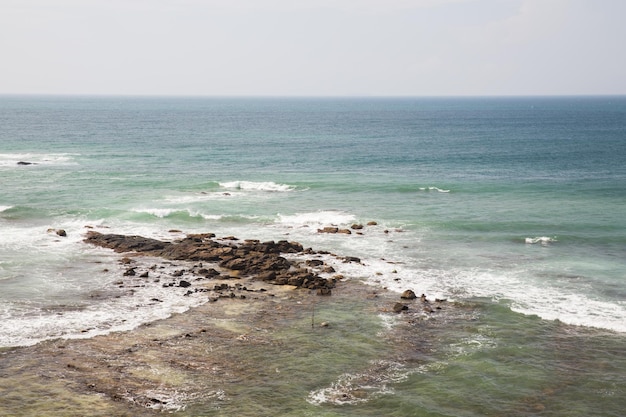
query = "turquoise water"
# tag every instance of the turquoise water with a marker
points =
(516, 204)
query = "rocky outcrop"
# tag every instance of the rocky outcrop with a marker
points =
(259, 260)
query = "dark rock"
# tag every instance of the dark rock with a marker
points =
(121, 243)
(399, 307)
(356, 226)
(408, 295)
(262, 260)
(130, 272)
(314, 262)
(372, 223)
(324, 291)
(208, 273)
(184, 284)
(289, 247)
(267, 276)
(348, 259)
(26, 163)
(328, 230)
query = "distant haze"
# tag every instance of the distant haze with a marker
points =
(313, 47)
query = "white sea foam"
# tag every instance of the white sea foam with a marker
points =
(361, 387)
(316, 218)
(470, 345)
(256, 186)
(441, 190)
(157, 212)
(524, 295)
(57, 286)
(107, 309)
(571, 308)
(166, 212)
(4, 208)
(199, 198)
(12, 159)
(543, 240)
(519, 287)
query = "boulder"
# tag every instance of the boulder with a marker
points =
(408, 295)
(399, 307)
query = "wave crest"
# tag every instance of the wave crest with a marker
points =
(543, 240)
(16, 159)
(256, 186)
(440, 190)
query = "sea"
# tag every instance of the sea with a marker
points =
(515, 206)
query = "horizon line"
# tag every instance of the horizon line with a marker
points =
(303, 96)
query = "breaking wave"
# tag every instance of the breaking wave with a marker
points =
(256, 186)
(543, 240)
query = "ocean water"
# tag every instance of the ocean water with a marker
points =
(516, 206)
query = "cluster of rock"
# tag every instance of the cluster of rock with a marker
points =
(335, 229)
(250, 258)
(427, 307)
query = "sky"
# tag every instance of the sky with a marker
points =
(313, 47)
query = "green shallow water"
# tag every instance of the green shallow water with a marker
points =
(465, 365)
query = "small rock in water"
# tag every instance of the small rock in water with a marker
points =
(58, 232)
(399, 307)
(408, 295)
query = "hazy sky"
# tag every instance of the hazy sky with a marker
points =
(313, 47)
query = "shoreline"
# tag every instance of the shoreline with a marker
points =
(202, 356)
